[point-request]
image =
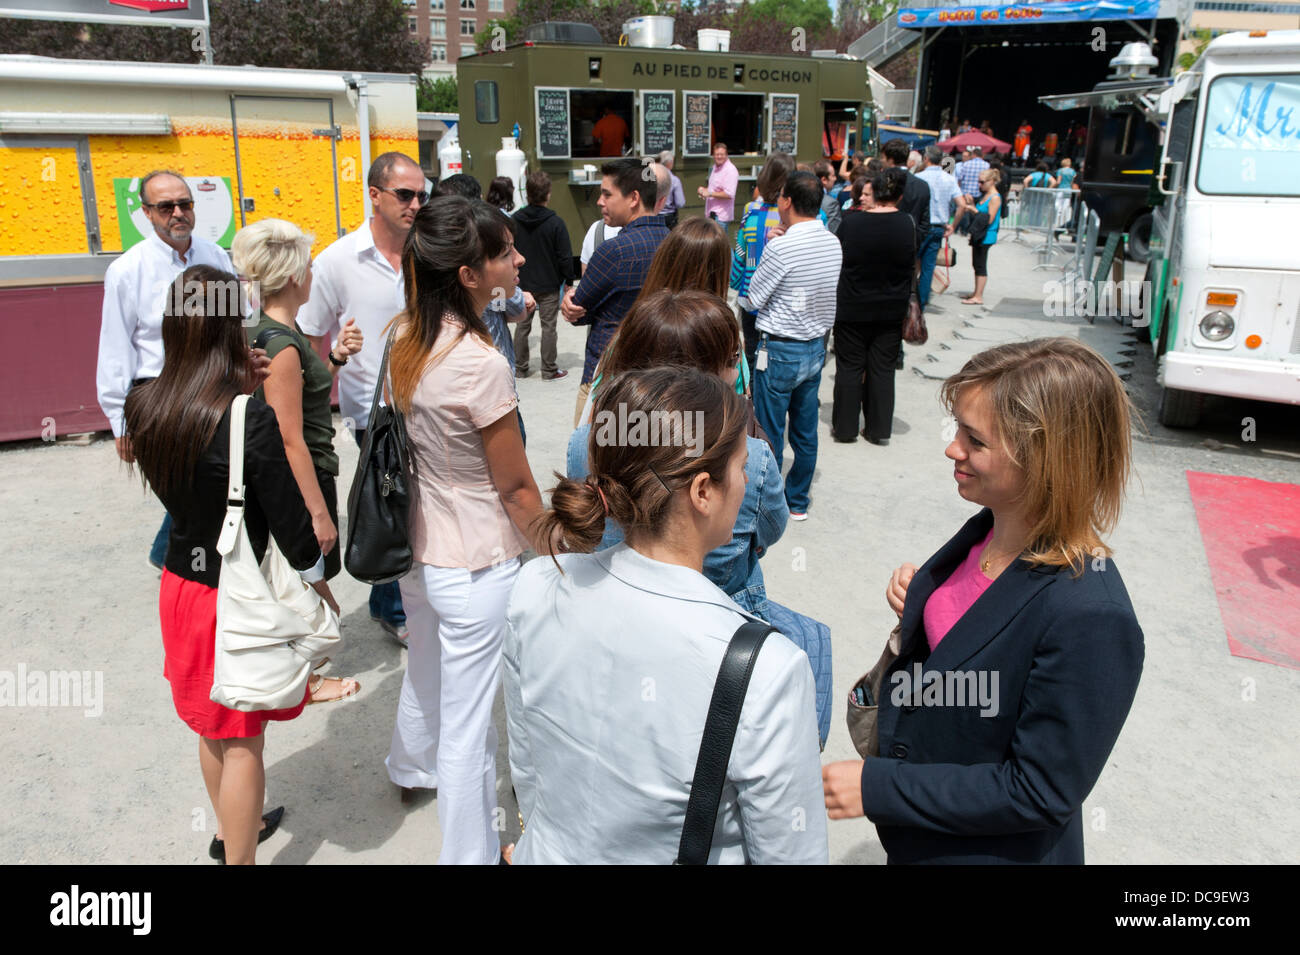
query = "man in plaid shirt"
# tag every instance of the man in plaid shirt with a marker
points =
(629, 197)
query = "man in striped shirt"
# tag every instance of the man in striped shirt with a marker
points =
(793, 290)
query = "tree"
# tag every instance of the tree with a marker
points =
(1202, 37)
(437, 96)
(362, 35)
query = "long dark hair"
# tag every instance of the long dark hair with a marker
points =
(448, 232)
(695, 256)
(172, 419)
(694, 329)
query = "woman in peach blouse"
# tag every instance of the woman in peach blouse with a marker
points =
(473, 506)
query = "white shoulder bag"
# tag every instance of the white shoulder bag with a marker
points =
(273, 629)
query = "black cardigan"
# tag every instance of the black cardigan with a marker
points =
(876, 274)
(271, 496)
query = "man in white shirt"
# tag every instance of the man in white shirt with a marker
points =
(793, 290)
(360, 276)
(135, 291)
(944, 195)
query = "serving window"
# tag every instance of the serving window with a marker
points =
(604, 113)
(738, 121)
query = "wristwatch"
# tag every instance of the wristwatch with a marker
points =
(334, 361)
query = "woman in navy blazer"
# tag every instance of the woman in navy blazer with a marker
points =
(1009, 692)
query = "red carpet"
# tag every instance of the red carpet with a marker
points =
(1251, 532)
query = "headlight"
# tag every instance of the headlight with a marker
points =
(1217, 326)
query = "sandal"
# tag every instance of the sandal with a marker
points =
(320, 681)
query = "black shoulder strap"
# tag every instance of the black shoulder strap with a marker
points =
(266, 334)
(715, 748)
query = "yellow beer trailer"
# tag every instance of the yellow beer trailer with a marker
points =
(77, 135)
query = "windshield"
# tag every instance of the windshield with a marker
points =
(1250, 145)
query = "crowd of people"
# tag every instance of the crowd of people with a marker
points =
(648, 551)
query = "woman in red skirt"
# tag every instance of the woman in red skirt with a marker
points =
(179, 425)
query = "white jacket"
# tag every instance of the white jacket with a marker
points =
(609, 670)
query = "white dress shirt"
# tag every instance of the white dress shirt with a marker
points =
(130, 330)
(793, 288)
(609, 670)
(352, 279)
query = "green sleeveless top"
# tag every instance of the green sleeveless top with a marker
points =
(317, 382)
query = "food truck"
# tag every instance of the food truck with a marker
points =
(77, 135)
(670, 99)
(1221, 296)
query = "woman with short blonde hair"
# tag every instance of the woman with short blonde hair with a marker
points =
(1017, 655)
(275, 255)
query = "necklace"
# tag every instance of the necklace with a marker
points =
(986, 561)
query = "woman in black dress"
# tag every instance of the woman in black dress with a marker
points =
(875, 282)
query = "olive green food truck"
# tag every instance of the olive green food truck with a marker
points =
(668, 99)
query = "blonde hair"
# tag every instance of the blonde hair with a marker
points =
(1063, 417)
(271, 252)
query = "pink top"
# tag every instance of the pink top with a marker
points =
(726, 178)
(457, 518)
(954, 596)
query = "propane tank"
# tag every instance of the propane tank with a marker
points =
(449, 155)
(513, 164)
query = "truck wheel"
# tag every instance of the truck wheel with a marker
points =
(1143, 332)
(1139, 238)
(1178, 409)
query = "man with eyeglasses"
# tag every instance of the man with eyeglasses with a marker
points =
(360, 276)
(135, 290)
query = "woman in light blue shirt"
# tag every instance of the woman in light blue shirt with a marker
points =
(697, 329)
(610, 658)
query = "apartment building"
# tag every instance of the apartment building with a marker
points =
(452, 26)
(1228, 16)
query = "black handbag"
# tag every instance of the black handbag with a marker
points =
(379, 504)
(715, 746)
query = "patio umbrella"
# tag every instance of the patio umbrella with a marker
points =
(973, 138)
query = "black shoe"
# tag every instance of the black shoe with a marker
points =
(883, 442)
(272, 819)
(839, 440)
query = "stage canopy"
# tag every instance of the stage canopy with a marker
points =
(1019, 14)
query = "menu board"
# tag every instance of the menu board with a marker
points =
(785, 124)
(553, 134)
(697, 123)
(656, 121)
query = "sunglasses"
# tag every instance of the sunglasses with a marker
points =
(404, 196)
(166, 207)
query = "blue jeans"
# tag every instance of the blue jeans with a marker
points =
(929, 254)
(158, 553)
(385, 599)
(788, 386)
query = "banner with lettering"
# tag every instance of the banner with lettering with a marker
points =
(1051, 11)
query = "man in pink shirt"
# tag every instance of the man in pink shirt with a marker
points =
(720, 195)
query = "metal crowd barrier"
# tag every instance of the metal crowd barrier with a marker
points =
(1045, 212)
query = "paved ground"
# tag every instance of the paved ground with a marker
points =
(1206, 770)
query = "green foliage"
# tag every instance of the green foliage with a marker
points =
(437, 96)
(364, 35)
(813, 15)
(1202, 37)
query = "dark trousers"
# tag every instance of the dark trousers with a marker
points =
(548, 310)
(385, 599)
(749, 330)
(670, 220)
(865, 357)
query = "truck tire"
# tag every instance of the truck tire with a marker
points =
(1139, 238)
(1143, 332)
(1178, 408)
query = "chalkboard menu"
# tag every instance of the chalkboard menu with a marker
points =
(696, 123)
(785, 124)
(553, 123)
(656, 121)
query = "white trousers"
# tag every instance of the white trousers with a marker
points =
(444, 737)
